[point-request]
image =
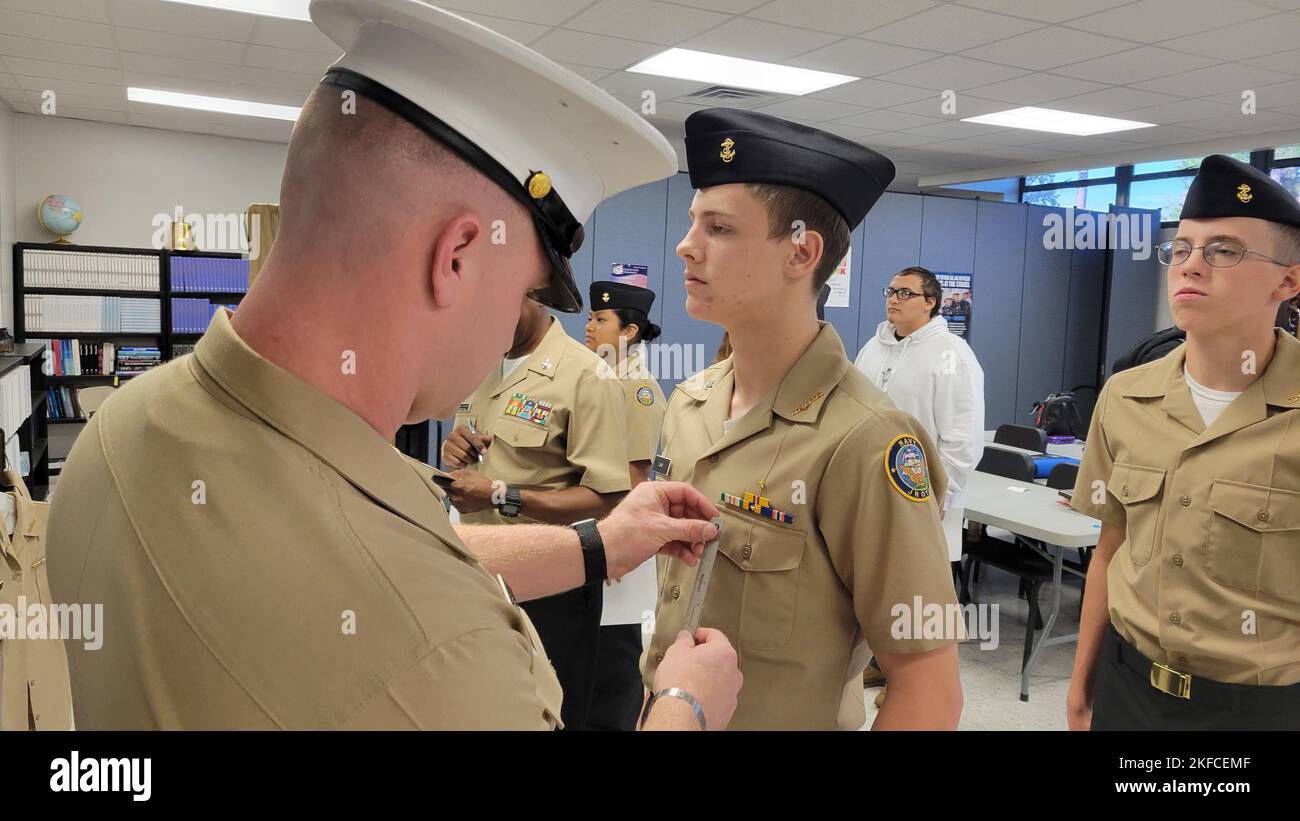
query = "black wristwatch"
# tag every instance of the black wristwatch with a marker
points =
(593, 551)
(513, 503)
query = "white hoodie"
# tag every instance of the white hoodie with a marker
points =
(933, 375)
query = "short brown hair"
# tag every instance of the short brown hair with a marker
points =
(1288, 243)
(786, 204)
(930, 286)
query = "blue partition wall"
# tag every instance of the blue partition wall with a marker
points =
(1038, 313)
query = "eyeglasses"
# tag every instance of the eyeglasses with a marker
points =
(1222, 253)
(902, 293)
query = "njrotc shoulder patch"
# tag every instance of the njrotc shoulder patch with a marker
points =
(905, 467)
(644, 396)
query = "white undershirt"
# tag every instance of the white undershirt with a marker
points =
(508, 365)
(1208, 401)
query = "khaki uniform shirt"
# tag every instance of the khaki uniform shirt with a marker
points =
(645, 406)
(1207, 580)
(807, 601)
(267, 560)
(34, 685)
(557, 421)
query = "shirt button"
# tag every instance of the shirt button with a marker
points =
(1182, 662)
(1123, 491)
(1186, 500)
(1178, 560)
(659, 657)
(1174, 618)
(713, 459)
(746, 552)
(676, 592)
(1263, 515)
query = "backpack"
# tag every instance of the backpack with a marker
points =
(1058, 415)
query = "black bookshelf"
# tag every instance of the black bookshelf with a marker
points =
(163, 339)
(33, 435)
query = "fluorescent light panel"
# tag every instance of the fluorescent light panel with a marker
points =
(287, 9)
(222, 105)
(701, 66)
(1055, 121)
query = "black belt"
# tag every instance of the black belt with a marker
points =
(1203, 690)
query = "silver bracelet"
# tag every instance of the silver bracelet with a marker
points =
(677, 692)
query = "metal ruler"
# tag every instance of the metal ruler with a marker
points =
(702, 578)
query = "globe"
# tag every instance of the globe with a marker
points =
(60, 215)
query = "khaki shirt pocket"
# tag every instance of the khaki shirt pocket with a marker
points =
(1254, 539)
(763, 561)
(1137, 487)
(521, 434)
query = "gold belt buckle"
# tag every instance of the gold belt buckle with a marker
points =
(1168, 680)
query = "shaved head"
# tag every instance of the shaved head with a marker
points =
(373, 178)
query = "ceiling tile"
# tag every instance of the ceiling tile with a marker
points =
(1261, 122)
(589, 73)
(1212, 80)
(62, 71)
(897, 139)
(1287, 62)
(626, 83)
(1048, 47)
(283, 59)
(759, 40)
(1254, 37)
(565, 46)
(952, 72)
(175, 18)
(951, 28)
(294, 34)
(838, 16)
(301, 83)
(516, 30)
(645, 21)
(1167, 135)
(1047, 11)
(82, 101)
(264, 130)
(180, 45)
(1168, 18)
(1135, 65)
(59, 29)
(61, 87)
(550, 12)
(174, 66)
(953, 129)
(811, 108)
(724, 6)
(967, 105)
(886, 120)
(1183, 110)
(93, 114)
(93, 10)
(42, 50)
(861, 58)
(876, 94)
(1110, 102)
(1032, 89)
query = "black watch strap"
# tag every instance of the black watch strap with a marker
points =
(593, 551)
(512, 504)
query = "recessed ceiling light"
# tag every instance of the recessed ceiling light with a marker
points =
(288, 9)
(1057, 122)
(219, 104)
(685, 64)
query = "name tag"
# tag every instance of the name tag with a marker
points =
(463, 408)
(661, 466)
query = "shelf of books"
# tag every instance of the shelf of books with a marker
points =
(106, 315)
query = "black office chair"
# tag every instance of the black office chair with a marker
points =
(1032, 569)
(1021, 436)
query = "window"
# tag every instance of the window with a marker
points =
(1071, 176)
(1190, 164)
(1287, 152)
(1167, 194)
(1290, 179)
(1090, 197)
